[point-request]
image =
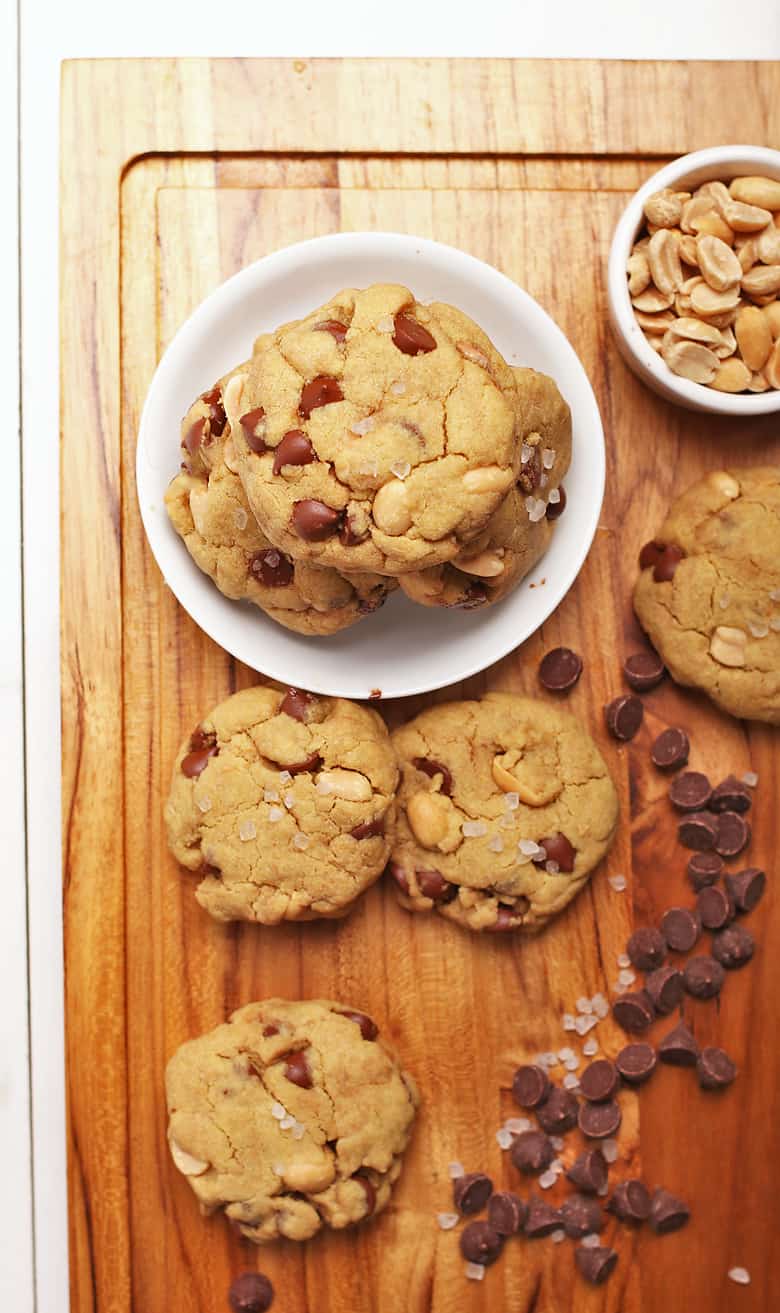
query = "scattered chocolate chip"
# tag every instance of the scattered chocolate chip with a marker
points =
(651, 554)
(680, 928)
(599, 1080)
(599, 1121)
(217, 416)
(253, 425)
(633, 1011)
(581, 1215)
(314, 521)
(698, 830)
(369, 829)
(296, 703)
(294, 449)
(715, 1069)
(312, 762)
(665, 987)
(433, 885)
(667, 1213)
(194, 435)
(270, 1030)
(480, 1243)
(410, 336)
(432, 768)
(731, 795)
(715, 906)
(251, 1292)
(530, 1086)
(354, 529)
(623, 716)
(471, 1192)
(666, 565)
(560, 669)
(746, 888)
(532, 1152)
(272, 568)
(643, 671)
(630, 1201)
(369, 1190)
(542, 1219)
(555, 509)
(509, 918)
(733, 947)
(646, 948)
(506, 1212)
(690, 791)
(368, 1028)
(336, 329)
(202, 748)
(596, 1264)
(703, 977)
(399, 875)
(319, 391)
(558, 1113)
(297, 1070)
(704, 869)
(557, 849)
(636, 1063)
(733, 834)
(678, 1048)
(589, 1172)
(207, 869)
(670, 750)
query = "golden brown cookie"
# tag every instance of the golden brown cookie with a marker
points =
(708, 594)
(290, 1117)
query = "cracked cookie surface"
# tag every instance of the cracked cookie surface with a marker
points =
(709, 593)
(376, 434)
(281, 802)
(504, 809)
(290, 1117)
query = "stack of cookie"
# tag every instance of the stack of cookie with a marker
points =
(376, 443)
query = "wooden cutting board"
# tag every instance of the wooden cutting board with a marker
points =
(174, 175)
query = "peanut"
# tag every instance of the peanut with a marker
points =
(695, 330)
(231, 399)
(762, 280)
(754, 336)
(695, 208)
(772, 367)
(727, 646)
(187, 1163)
(347, 784)
(712, 225)
(706, 301)
(758, 383)
(663, 209)
(732, 376)
(655, 323)
(718, 191)
(746, 218)
(718, 263)
(768, 245)
(638, 271)
(651, 301)
(772, 313)
(748, 254)
(727, 345)
(664, 262)
(691, 360)
(309, 1177)
(763, 192)
(391, 509)
(488, 479)
(724, 483)
(688, 251)
(535, 791)
(428, 817)
(486, 565)
(229, 456)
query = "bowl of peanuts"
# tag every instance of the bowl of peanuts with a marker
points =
(694, 281)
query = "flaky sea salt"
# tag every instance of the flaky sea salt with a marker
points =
(240, 517)
(285, 777)
(299, 1130)
(584, 1024)
(529, 848)
(496, 844)
(455, 1170)
(361, 426)
(247, 830)
(570, 1081)
(474, 1271)
(398, 388)
(590, 1241)
(278, 1111)
(609, 1149)
(590, 1047)
(547, 1060)
(626, 978)
(723, 601)
(401, 469)
(623, 960)
(740, 1275)
(538, 510)
(503, 1138)
(204, 804)
(571, 1064)
(526, 452)
(557, 1142)
(568, 1021)
(517, 1125)
(548, 458)
(474, 829)
(511, 801)
(566, 1054)
(270, 795)
(618, 883)
(289, 800)
(385, 324)
(287, 1122)
(278, 1169)
(275, 814)
(323, 785)
(584, 1005)
(369, 468)
(447, 1220)
(548, 1179)
(758, 628)
(750, 778)
(557, 1236)
(551, 867)
(600, 1006)
(300, 841)
(543, 481)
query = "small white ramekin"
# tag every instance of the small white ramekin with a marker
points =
(684, 174)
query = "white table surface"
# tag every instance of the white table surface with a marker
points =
(33, 40)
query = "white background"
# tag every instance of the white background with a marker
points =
(49, 31)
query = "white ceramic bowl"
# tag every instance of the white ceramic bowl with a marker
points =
(723, 162)
(403, 648)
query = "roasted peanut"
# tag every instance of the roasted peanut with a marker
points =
(706, 301)
(772, 367)
(687, 248)
(691, 360)
(655, 323)
(532, 788)
(724, 483)
(763, 192)
(732, 376)
(428, 815)
(638, 271)
(347, 784)
(187, 1163)
(695, 208)
(727, 646)
(746, 218)
(391, 508)
(718, 263)
(486, 565)
(772, 313)
(719, 193)
(651, 301)
(747, 253)
(762, 280)
(663, 209)
(754, 336)
(712, 225)
(488, 479)
(696, 330)
(664, 261)
(768, 244)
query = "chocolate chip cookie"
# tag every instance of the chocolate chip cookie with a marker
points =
(290, 1117)
(504, 809)
(280, 801)
(708, 593)
(376, 434)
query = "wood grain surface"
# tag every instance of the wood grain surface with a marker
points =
(174, 175)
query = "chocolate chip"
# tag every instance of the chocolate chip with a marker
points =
(294, 449)
(202, 747)
(678, 1047)
(715, 907)
(194, 435)
(432, 768)
(530, 1086)
(746, 888)
(532, 1152)
(633, 1011)
(667, 563)
(623, 716)
(665, 987)
(560, 669)
(368, 1028)
(297, 1070)
(630, 1201)
(589, 1171)
(557, 849)
(509, 918)
(690, 791)
(480, 1243)
(599, 1121)
(643, 671)
(354, 529)
(555, 509)
(733, 947)
(731, 795)
(704, 869)
(670, 750)
(369, 1191)
(715, 1069)
(217, 416)
(399, 875)
(646, 948)
(636, 1063)
(296, 703)
(433, 885)
(410, 336)
(251, 1292)
(599, 1080)
(506, 1212)
(703, 977)
(319, 391)
(680, 928)
(471, 1192)
(733, 834)
(667, 1213)
(336, 329)
(558, 1113)
(651, 554)
(272, 568)
(314, 521)
(581, 1215)
(253, 425)
(542, 1219)
(698, 830)
(310, 763)
(270, 1030)
(596, 1264)
(369, 829)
